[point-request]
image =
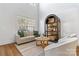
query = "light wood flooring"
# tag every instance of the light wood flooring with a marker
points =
(10, 50)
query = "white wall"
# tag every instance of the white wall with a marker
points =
(68, 14)
(8, 19)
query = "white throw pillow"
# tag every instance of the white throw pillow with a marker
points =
(72, 35)
(67, 37)
(25, 33)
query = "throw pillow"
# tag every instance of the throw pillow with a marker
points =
(25, 33)
(21, 33)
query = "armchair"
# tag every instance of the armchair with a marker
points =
(65, 47)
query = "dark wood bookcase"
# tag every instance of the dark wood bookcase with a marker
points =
(52, 27)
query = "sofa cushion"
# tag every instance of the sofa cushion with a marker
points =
(24, 33)
(28, 33)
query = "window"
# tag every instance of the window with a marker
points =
(26, 23)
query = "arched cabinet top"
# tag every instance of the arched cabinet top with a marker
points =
(52, 16)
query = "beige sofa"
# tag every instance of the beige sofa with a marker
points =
(20, 40)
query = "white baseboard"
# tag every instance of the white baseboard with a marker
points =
(7, 42)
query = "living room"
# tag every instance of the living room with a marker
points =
(31, 17)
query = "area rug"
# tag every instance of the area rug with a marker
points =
(30, 49)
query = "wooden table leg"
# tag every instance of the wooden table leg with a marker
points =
(37, 43)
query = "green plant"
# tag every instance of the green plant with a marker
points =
(36, 34)
(21, 33)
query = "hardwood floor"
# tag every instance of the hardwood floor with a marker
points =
(10, 50)
(77, 51)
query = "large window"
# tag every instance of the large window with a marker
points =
(26, 23)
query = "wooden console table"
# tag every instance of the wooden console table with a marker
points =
(42, 41)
